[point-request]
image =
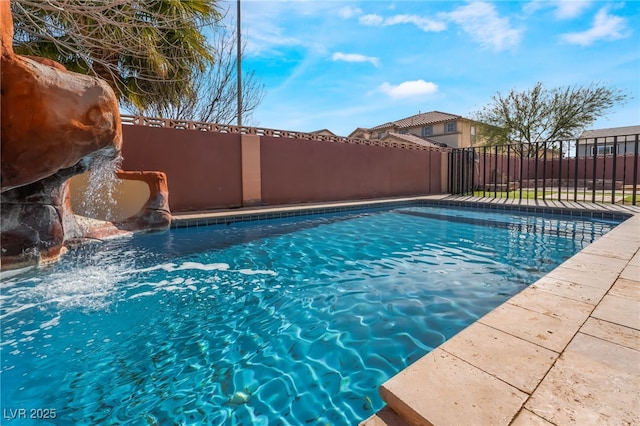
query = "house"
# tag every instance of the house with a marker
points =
(324, 132)
(439, 128)
(615, 140)
(408, 138)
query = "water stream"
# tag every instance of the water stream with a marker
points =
(98, 200)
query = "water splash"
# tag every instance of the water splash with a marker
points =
(98, 201)
(89, 280)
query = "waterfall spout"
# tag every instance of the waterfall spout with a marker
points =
(98, 200)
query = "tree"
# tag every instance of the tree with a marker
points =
(544, 115)
(213, 96)
(145, 49)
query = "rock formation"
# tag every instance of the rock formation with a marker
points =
(155, 214)
(55, 123)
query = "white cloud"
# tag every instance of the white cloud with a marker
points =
(481, 21)
(564, 9)
(349, 12)
(269, 40)
(567, 9)
(425, 24)
(268, 29)
(533, 6)
(408, 89)
(263, 34)
(605, 27)
(355, 57)
(371, 19)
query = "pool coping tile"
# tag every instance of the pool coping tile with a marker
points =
(384, 417)
(442, 389)
(543, 330)
(569, 310)
(605, 264)
(626, 288)
(611, 332)
(580, 292)
(631, 273)
(603, 279)
(520, 363)
(594, 382)
(618, 310)
(527, 418)
(612, 248)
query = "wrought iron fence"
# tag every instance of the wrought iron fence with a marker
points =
(597, 170)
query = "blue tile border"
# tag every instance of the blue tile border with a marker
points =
(235, 217)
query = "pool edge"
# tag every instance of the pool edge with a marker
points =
(207, 218)
(464, 379)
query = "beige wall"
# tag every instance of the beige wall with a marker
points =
(124, 199)
(444, 172)
(464, 127)
(461, 138)
(251, 178)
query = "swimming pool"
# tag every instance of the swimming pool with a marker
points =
(274, 322)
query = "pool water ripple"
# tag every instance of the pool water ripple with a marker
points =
(276, 323)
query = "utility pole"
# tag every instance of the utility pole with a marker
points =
(239, 67)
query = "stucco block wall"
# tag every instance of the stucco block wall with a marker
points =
(210, 170)
(305, 171)
(203, 168)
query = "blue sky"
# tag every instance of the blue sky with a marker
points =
(346, 64)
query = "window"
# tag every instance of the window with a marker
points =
(450, 127)
(603, 150)
(427, 131)
(403, 131)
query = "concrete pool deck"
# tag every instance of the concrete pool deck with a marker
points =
(566, 350)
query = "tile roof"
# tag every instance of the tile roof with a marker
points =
(323, 131)
(613, 131)
(408, 137)
(419, 120)
(354, 134)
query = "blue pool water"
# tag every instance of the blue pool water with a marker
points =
(275, 322)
